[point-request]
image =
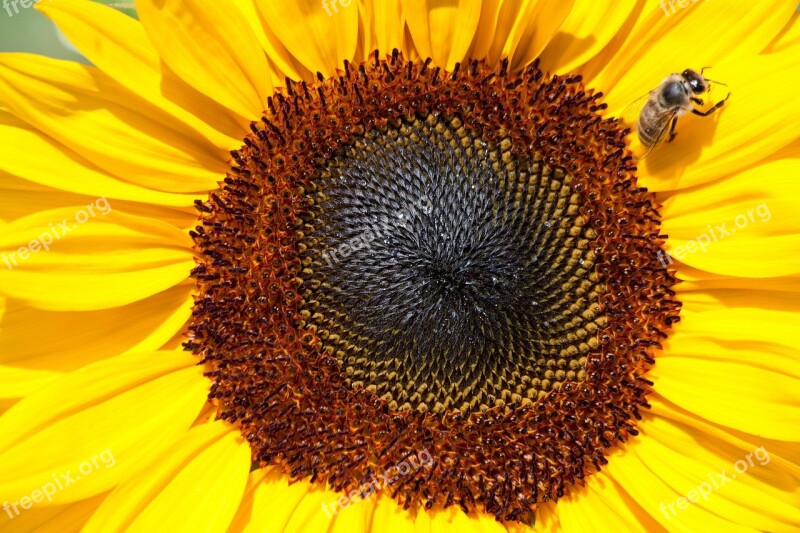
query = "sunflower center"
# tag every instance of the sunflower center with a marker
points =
(403, 260)
(442, 277)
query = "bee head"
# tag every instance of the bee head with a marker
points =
(697, 83)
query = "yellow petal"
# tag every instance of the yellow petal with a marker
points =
(755, 209)
(712, 291)
(87, 431)
(250, 13)
(357, 517)
(315, 512)
(759, 202)
(211, 47)
(442, 30)
(484, 34)
(391, 515)
(788, 37)
(66, 341)
(244, 513)
(196, 486)
(683, 35)
(93, 221)
(65, 259)
(634, 472)
(602, 501)
(384, 25)
(588, 28)
(20, 198)
(535, 38)
(19, 382)
(20, 203)
(55, 165)
(117, 45)
(320, 36)
(53, 518)
(695, 279)
(769, 257)
(778, 294)
(281, 60)
(454, 520)
(424, 522)
(92, 384)
(746, 335)
(742, 133)
(11, 183)
(713, 387)
(524, 29)
(270, 504)
(547, 519)
(6, 404)
(365, 30)
(785, 455)
(107, 124)
(718, 477)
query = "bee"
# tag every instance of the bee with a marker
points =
(673, 98)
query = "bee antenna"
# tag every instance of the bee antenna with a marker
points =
(717, 82)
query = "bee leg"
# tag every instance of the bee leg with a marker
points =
(696, 100)
(672, 133)
(716, 106)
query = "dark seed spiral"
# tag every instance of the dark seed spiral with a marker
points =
(442, 277)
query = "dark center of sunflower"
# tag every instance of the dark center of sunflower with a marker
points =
(406, 265)
(442, 277)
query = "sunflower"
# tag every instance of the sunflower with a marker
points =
(374, 265)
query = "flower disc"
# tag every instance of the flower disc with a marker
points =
(403, 260)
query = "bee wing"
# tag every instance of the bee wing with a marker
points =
(630, 118)
(630, 115)
(663, 124)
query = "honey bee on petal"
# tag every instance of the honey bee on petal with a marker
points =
(675, 96)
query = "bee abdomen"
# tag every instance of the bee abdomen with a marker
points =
(649, 126)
